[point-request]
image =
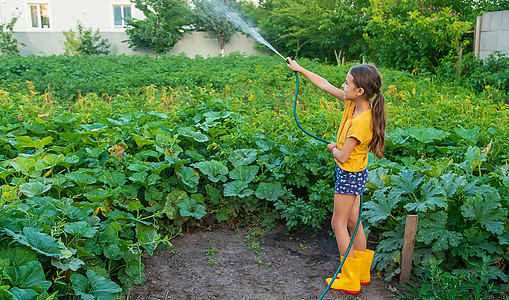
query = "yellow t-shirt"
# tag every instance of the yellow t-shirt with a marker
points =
(359, 127)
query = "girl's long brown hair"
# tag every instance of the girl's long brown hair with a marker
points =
(368, 77)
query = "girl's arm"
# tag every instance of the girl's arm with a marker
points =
(315, 79)
(343, 154)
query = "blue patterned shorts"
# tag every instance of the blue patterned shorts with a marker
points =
(352, 183)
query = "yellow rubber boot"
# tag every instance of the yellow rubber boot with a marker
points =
(366, 260)
(349, 281)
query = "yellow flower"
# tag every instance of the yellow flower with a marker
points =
(487, 87)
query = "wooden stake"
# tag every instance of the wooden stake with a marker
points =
(408, 248)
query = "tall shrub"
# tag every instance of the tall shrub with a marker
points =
(85, 41)
(208, 19)
(164, 25)
(8, 43)
(405, 36)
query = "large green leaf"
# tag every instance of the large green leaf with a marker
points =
(269, 190)
(242, 157)
(432, 197)
(486, 210)
(172, 199)
(148, 236)
(80, 228)
(64, 118)
(53, 159)
(137, 167)
(38, 241)
(214, 170)
(473, 158)
(434, 230)
(113, 179)
(97, 195)
(21, 294)
(33, 189)
(94, 286)
(222, 214)
(234, 188)
(213, 193)
(141, 141)
(93, 127)
(381, 205)
(427, 134)
(188, 132)
(71, 263)
(189, 176)
(28, 276)
(392, 240)
(450, 183)
(158, 167)
(190, 208)
(134, 267)
(25, 165)
(406, 182)
(81, 179)
(159, 115)
(376, 178)
(244, 173)
(18, 255)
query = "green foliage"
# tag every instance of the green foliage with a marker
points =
(112, 175)
(94, 286)
(85, 41)
(424, 36)
(165, 23)
(209, 19)
(344, 28)
(293, 26)
(434, 283)
(467, 10)
(482, 75)
(8, 43)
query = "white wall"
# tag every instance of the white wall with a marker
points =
(492, 33)
(192, 44)
(65, 14)
(98, 14)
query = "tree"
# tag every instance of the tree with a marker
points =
(8, 43)
(293, 26)
(85, 41)
(344, 28)
(404, 35)
(208, 18)
(164, 25)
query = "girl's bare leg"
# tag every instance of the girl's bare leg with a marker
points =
(360, 242)
(343, 206)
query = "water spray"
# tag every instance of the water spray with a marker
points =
(236, 20)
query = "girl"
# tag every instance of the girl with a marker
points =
(362, 128)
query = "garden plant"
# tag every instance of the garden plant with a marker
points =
(104, 159)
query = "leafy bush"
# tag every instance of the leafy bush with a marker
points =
(164, 24)
(8, 44)
(481, 75)
(423, 37)
(85, 41)
(437, 284)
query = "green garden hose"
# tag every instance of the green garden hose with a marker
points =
(360, 208)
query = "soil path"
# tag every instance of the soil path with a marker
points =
(240, 264)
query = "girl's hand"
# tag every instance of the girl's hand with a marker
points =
(331, 146)
(293, 65)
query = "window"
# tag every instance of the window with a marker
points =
(121, 14)
(39, 15)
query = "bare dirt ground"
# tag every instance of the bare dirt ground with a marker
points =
(248, 264)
